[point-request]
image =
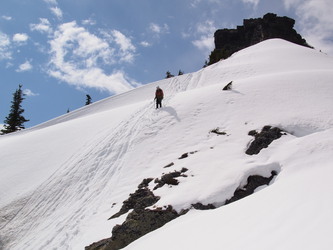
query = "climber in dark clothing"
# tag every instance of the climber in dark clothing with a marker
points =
(159, 97)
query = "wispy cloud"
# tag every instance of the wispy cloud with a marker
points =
(195, 3)
(29, 92)
(205, 33)
(126, 47)
(254, 3)
(43, 26)
(5, 52)
(315, 21)
(51, 2)
(78, 58)
(24, 67)
(7, 18)
(89, 22)
(145, 44)
(20, 37)
(159, 29)
(57, 12)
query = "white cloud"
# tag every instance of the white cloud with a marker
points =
(20, 37)
(159, 29)
(145, 44)
(7, 18)
(43, 26)
(252, 2)
(5, 52)
(290, 3)
(24, 67)
(204, 43)
(316, 22)
(195, 3)
(29, 92)
(126, 46)
(51, 2)
(77, 57)
(88, 22)
(205, 31)
(57, 12)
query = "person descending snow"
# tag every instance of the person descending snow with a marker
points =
(159, 97)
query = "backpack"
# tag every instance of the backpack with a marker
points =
(159, 93)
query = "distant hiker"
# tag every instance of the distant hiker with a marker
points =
(159, 97)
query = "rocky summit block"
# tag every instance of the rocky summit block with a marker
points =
(253, 31)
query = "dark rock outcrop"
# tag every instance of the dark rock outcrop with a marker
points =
(138, 223)
(169, 165)
(200, 206)
(141, 220)
(217, 131)
(228, 86)
(146, 216)
(263, 139)
(139, 200)
(170, 178)
(185, 155)
(253, 182)
(253, 31)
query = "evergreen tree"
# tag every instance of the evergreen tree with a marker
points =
(206, 64)
(14, 121)
(88, 100)
(169, 75)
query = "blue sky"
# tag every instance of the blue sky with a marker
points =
(61, 50)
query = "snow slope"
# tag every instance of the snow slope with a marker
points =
(61, 180)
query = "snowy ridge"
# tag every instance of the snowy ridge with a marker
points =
(61, 180)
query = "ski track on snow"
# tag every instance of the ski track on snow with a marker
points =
(74, 184)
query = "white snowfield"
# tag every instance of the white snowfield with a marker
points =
(60, 181)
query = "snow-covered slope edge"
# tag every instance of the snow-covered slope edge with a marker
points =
(59, 180)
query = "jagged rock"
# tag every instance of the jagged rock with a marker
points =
(138, 223)
(200, 206)
(169, 178)
(141, 199)
(253, 182)
(145, 183)
(254, 30)
(228, 86)
(185, 155)
(263, 139)
(217, 131)
(169, 165)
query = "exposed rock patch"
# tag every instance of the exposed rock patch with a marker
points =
(217, 131)
(261, 140)
(139, 200)
(228, 86)
(253, 31)
(141, 220)
(169, 165)
(170, 178)
(253, 182)
(146, 216)
(138, 223)
(185, 155)
(200, 206)
(145, 182)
